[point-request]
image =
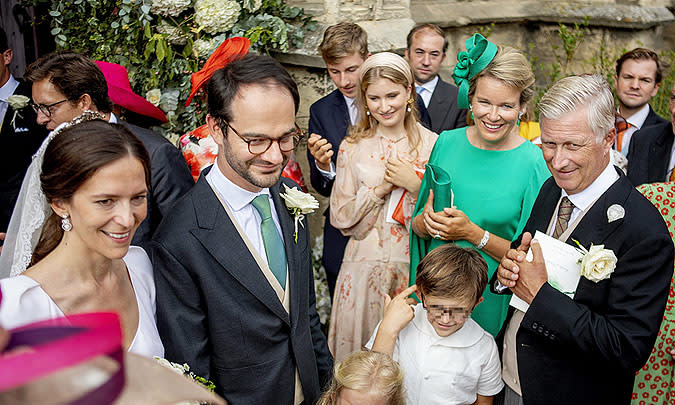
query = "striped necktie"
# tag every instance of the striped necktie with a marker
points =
(564, 214)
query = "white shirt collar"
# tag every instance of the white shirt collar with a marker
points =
(237, 197)
(583, 199)
(8, 88)
(430, 85)
(468, 335)
(639, 117)
(350, 101)
(113, 119)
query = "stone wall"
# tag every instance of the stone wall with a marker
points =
(613, 26)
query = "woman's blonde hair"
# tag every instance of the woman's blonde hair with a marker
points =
(385, 65)
(512, 67)
(367, 372)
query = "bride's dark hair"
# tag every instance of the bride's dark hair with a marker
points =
(71, 158)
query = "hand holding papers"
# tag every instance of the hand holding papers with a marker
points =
(562, 265)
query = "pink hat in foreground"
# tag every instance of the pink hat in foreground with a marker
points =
(119, 91)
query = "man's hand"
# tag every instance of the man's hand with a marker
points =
(321, 150)
(398, 312)
(402, 174)
(524, 278)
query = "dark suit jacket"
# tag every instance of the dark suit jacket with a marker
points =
(650, 153)
(651, 120)
(217, 312)
(329, 118)
(170, 180)
(445, 114)
(20, 143)
(587, 350)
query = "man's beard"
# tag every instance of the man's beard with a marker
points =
(242, 168)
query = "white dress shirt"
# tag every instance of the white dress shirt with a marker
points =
(446, 370)
(636, 120)
(426, 90)
(7, 90)
(585, 198)
(238, 201)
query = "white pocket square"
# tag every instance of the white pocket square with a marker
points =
(21, 129)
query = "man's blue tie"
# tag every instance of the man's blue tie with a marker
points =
(419, 90)
(274, 245)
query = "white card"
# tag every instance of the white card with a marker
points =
(562, 264)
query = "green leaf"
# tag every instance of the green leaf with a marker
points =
(149, 48)
(54, 13)
(114, 24)
(146, 30)
(160, 50)
(55, 31)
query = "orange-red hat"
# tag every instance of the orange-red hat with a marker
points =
(230, 50)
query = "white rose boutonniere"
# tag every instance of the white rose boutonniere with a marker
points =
(17, 102)
(598, 263)
(299, 204)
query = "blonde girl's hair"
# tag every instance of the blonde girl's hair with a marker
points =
(367, 371)
(385, 65)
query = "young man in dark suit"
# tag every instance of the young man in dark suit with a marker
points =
(344, 48)
(652, 158)
(20, 135)
(235, 287)
(638, 76)
(65, 84)
(585, 349)
(425, 54)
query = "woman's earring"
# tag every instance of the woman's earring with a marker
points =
(368, 112)
(520, 115)
(65, 223)
(410, 101)
(471, 109)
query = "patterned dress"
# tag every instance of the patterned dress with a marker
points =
(654, 382)
(376, 258)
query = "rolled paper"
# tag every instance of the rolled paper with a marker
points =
(440, 184)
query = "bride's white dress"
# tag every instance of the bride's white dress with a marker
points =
(24, 302)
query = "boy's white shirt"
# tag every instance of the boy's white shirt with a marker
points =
(446, 370)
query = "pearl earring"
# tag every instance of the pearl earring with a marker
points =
(66, 225)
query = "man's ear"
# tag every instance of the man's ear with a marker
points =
(445, 55)
(214, 129)
(407, 55)
(7, 56)
(609, 138)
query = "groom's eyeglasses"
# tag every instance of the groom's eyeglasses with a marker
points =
(46, 109)
(259, 145)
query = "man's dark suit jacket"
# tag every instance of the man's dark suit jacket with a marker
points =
(651, 120)
(650, 154)
(587, 350)
(217, 312)
(329, 117)
(445, 114)
(20, 143)
(170, 180)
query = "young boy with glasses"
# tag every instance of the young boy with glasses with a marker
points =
(446, 356)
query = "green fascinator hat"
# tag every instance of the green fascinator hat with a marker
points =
(479, 53)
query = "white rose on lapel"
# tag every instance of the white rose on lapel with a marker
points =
(299, 204)
(598, 263)
(17, 102)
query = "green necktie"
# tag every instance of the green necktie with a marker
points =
(274, 245)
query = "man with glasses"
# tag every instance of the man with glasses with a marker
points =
(20, 134)
(65, 84)
(235, 290)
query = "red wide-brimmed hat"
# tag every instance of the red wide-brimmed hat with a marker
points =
(228, 51)
(119, 91)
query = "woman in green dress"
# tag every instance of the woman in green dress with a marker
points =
(494, 173)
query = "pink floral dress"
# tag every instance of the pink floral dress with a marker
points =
(376, 259)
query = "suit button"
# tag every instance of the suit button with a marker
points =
(546, 333)
(540, 329)
(552, 337)
(534, 325)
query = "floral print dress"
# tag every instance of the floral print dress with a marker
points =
(376, 258)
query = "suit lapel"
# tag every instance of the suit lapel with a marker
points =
(221, 239)
(287, 224)
(342, 121)
(439, 103)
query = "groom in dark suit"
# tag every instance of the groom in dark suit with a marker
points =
(235, 289)
(585, 349)
(20, 135)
